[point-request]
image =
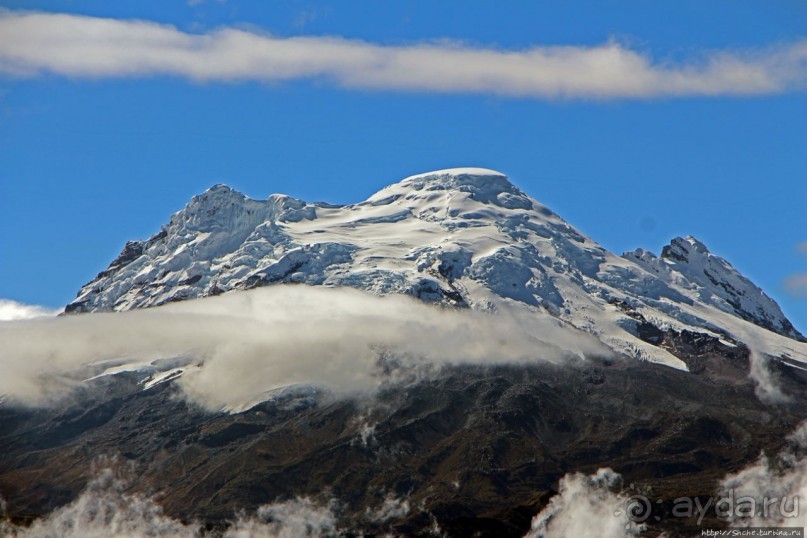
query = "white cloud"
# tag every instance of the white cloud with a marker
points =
(12, 310)
(782, 482)
(766, 386)
(34, 43)
(296, 518)
(278, 336)
(391, 509)
(586, 506)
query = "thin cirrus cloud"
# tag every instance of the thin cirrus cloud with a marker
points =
(796, 285)
(35, 43)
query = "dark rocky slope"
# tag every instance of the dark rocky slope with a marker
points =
(479, 450)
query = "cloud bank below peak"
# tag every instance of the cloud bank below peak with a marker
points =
(35, 43)
(251, 342)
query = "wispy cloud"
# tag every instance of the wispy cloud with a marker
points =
(12, 310)
(194, 3)
(777, 486)
(33, 43)
(796, 285)
(586, 506)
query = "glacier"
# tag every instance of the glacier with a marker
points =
(460, 238)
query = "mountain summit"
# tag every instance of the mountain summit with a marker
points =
(464, 237)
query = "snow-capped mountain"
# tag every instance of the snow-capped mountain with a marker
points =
(466, 448)
(463, 237)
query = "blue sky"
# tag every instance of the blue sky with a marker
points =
(94, 153)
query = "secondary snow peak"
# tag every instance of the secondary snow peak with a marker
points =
(688, 264)
(683, 248)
